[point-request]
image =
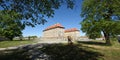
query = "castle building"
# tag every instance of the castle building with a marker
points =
(73, 32)
(57, 31)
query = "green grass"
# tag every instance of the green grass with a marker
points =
(111, 52)
(71, 52)
(4, 44)
(89, 50)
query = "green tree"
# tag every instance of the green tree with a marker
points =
(10, 25)
(34, 11)
(31, 37)
(101, 16)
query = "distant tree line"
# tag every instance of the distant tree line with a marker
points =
(31, 37)
(25, 38)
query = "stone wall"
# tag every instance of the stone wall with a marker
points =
(57, 32)
(53, 38)
(74, 34)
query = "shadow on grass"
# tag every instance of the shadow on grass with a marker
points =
(94, 43)
(70, 52)
(14, 40)
(53, 51)
(29, 52)
(16, 55)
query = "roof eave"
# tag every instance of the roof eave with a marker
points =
(53, 28)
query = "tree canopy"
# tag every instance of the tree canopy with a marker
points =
(16, 14)
(34, 11)
(10, 24)
(101, 16)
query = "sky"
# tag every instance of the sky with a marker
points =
(66, 17)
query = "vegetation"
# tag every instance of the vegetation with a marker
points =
(10, 26)
(16, 14)
(71, 52)
(4, 44)
(87, 50)
(56, 52)
(110, 52)
(101, 16)
(14, 55)
(33, 37)
(34, 11)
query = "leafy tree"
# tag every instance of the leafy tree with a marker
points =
(33, 37)
(10, 25)
(101, 16)
(21, 37)
(34, 11)
(29, 12)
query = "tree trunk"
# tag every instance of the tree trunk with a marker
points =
(11, 38)
(107, 38)
(20, 38)
(29, 38)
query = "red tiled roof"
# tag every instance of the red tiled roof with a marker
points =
(71, 30)
(58, 25)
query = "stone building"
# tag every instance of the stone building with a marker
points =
(57, 31)
(73, 32)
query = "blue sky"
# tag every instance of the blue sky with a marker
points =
(66, 17)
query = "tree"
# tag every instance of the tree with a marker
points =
(31, 13)
(101, 16)
(10, 24)
(21, 37)
(34, 11)
(33, 37)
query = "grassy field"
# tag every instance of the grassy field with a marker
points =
(111, 52)
(82, 50)
(4, 44)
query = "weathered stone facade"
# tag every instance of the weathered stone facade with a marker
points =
(73, 34)
(57, 31)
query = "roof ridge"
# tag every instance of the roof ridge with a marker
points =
(71, 30)
(54, 26)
